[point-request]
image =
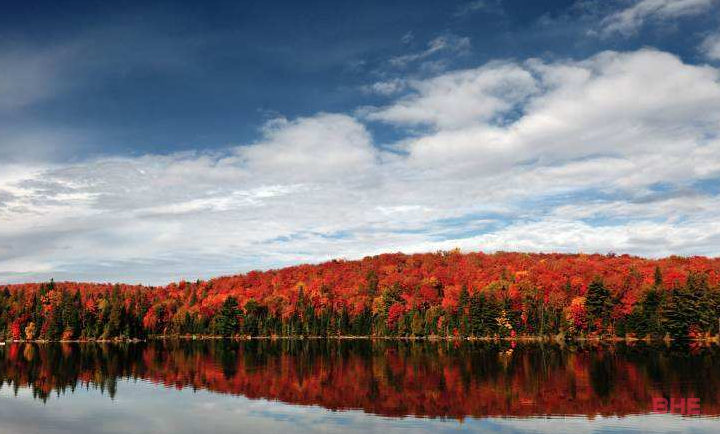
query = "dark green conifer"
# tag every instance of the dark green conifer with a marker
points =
(598, 305)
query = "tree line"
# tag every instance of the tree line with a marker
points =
(445, 294)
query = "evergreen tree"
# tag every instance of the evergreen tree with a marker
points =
(71, 313)
(53, 326)
(598, 305)
(253, 314)
(115, 315)
(706, 315)
(650, 307)
(682, 311)
(484, 312)
(226, 320)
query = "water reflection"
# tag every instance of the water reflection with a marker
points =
(388, 378)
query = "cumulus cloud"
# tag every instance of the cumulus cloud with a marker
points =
(326, 145)
(628, 20)
(460, 98)
(621, 105)
(616, 152)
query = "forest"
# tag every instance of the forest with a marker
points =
(446, 294)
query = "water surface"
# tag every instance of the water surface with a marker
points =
(294, 386)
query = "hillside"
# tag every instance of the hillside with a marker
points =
(444, 294)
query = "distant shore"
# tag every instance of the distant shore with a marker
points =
(549, 339)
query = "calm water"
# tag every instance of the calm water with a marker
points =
(352, 386)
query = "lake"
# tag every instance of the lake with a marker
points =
(354, 386)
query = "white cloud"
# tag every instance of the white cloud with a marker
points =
(711, 47)
(623, 105)
(326, 145)
(442, 44)
(460, 98)
(601, 154)
(387, 87)
(628, 20)
(557, 235)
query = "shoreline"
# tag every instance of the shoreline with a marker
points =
(536, 339)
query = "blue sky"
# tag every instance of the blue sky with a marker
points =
(152, 142)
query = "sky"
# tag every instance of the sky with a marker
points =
(151, 142)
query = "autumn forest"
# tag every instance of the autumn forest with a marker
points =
(443, 294)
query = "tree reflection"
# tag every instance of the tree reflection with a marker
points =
(391, 378)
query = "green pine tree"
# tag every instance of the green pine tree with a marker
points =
(226, 322)
(598, 305)
(682, 310)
